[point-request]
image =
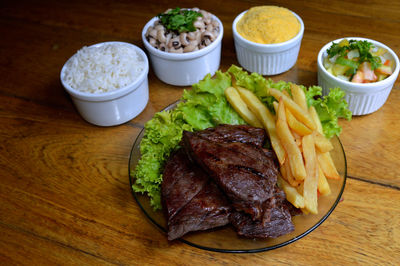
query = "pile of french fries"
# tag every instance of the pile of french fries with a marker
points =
(297, 138)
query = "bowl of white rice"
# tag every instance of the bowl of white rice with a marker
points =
(107, 82)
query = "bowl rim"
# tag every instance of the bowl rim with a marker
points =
(268, 47)
(182, 56)
(114, 93)
(359, 87)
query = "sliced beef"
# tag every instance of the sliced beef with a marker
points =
(224, 175)
(243, 171)
(208, 209)
(182, 180)
(234, 133)
(276, 220)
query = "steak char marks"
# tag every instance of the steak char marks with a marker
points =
(234, 133)
(208, 209)
(182, 180)
(242, 171)
(223, 175)
(276, 221)
(191, 201)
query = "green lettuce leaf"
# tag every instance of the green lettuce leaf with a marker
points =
(329, 109)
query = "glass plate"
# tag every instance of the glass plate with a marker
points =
(225, 239)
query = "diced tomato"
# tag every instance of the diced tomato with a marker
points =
(387, 62)
(358, 77)
(369, 75)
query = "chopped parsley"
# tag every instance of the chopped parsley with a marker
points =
(179, 20)
(364, 47)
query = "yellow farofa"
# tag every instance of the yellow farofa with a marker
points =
(268, 25)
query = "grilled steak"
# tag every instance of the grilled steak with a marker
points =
(224, 175)
(234, 133)
(208, 209)
(182, 180)
(276, 220)
(243, 171)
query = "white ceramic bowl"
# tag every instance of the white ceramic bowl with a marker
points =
(187, 68)
(363, 98)
(114, 107)
(267, 59)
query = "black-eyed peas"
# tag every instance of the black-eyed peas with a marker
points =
(207, 30)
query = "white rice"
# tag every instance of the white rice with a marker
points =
(104, 68)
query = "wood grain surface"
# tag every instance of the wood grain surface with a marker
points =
(64, 185)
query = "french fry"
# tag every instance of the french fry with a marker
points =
(289, 176)
(285, 92)
(314, 115)
(283, 171)
(291, 193)
(297, 111)
(323, 148)
(266, 119)
(298, 96)
(233, 97)
(322, 143)
(275, 104)
(300, 188)
(327, 165)
(296, 125)
(298, 140)
(305, 211)
(287, 140)
(297, 137)
(323, 185)
(310, 192)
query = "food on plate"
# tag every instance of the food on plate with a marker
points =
(103, 68)
(233, 97)
(358, 61)
(323, 185)
(295, 158)
(310, 187)
(292, 195)
(201, 107)
(298, 96)
(229, 178)
(303, 172)
(244, 172)
(307, 161)
(268, 25)
(192, 202)
(183, 30)
(205, 106)
(301, 114)
(182, 180)
(277, 219)
(266, 118)
(326, 163)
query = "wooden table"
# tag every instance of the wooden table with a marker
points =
(64, 186)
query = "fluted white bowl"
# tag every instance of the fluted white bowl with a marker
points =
(267, 59)
(113, 107)
(363, 98)
(186, 68)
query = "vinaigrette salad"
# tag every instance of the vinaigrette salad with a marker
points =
(358, 61)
